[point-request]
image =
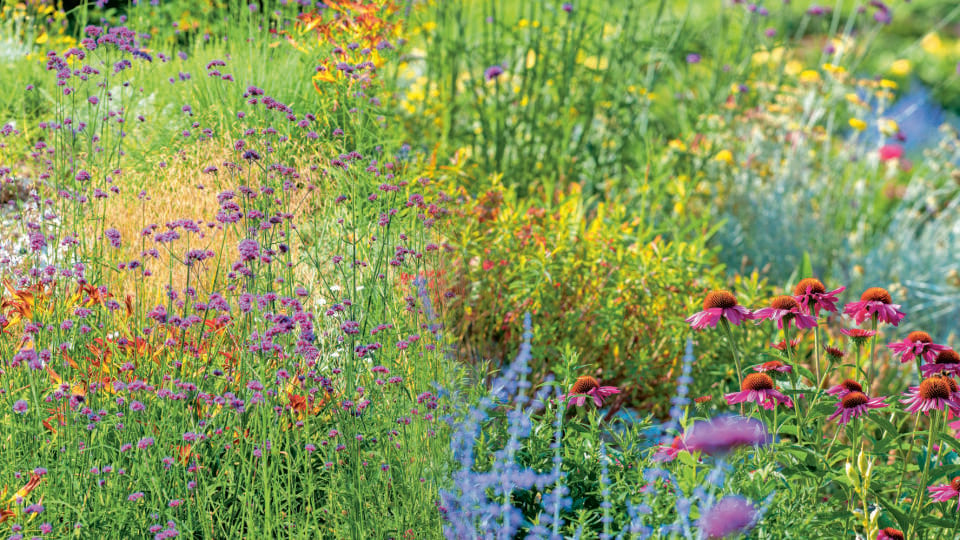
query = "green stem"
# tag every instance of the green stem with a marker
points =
(733, 346)
(873, 345)
(906, 460)
(918, 503)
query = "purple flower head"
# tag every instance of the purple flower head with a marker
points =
(933, 393)
(693, 58)
(492, 72)
(587, 387)
(730, 515)
(723, 434)
(20, 407)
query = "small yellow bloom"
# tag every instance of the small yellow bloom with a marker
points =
(677, 144)
(888, 126)
(42, 38)
(901, 67)
(858, 124)
(809, 76)
(932, 44)
(793, 67)
(887, 83)
(725, 156)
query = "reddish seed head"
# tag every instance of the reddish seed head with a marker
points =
(894, 534)
(834, 352)
(876, 294)
(947, 357)
(854, 399)
(955, 483)
(773, 364)
(719, 299)
(757, 381)
(851, 385)
(917, 335)
(934, 388)
(814, 284)
(584, 384)
(950, 382)
(702, 399)
(784, 302)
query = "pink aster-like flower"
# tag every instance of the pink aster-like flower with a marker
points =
(758, 388)
(947, 361)
(785, 309)
(587, 387)
(730, 515)
(859, 336)
(889, 533)
(724, 434)
(669, 453)
(773, 365)
(916, 344)
(855, 404)
(945, 492)
(844, 388)
(933, 393)
(717, 306)
(812, 294)
(875, 302)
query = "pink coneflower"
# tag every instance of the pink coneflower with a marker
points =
(933, 393)
(730, 515)
(859, 336)
(811, 292)
(844, 388)
(890, 151)
(916, 344)
(724, 434)
(666, 454)
(784, 309)
(716, 306)
(782, 344)
(945, 492)
(889, 533)
(875, 302)
(835, 353)
(758, 388)
(947, 361)
(773, 365)
(855, 404)
(588, 387)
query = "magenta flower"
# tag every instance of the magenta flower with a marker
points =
(812, 294)
(758, 388)
(889, 533)
(947, 361)
(875, 302)
(492, 72)
(730, 515)
(916, 344)
(855, 404)
(717, 306)
(588, 387)
(669, 453)
(859, 336)
(724, 434)
(773, 365)
(933, 393)
(844, 388)
(785, 309)
(945, 492)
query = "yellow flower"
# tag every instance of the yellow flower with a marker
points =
(858, 124)
(887, 83)
(901, 67)
(725, 156)
(888, 126)
(677, 144)
(809, 76)
(42, 38)
(932, 44)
